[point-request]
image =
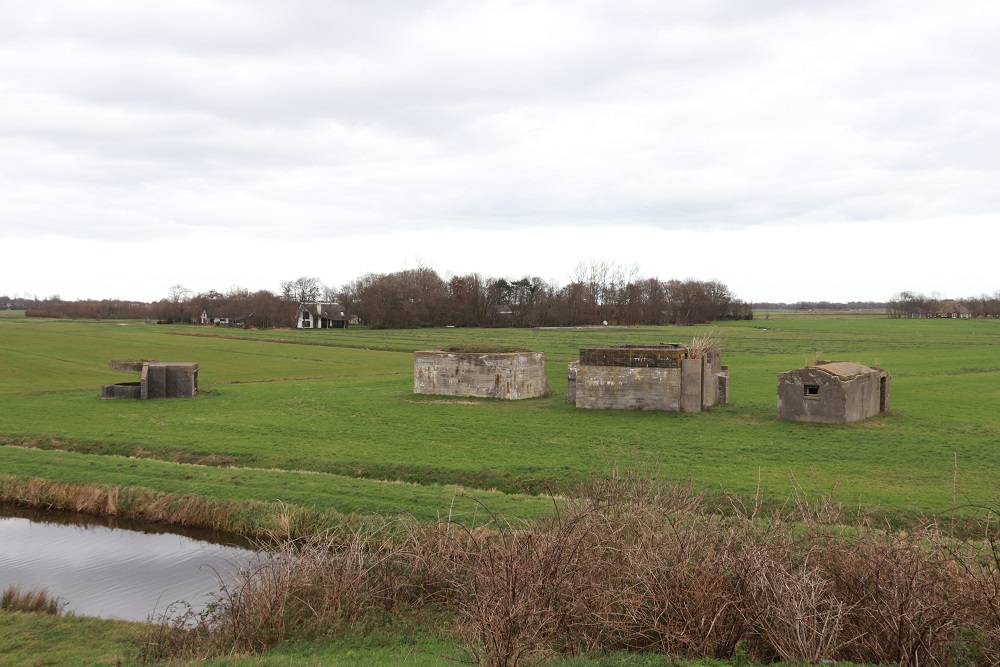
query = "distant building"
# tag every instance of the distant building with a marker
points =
(317, 315)
(214, 318)
(947, 309)
(952, 309)
(833, 392)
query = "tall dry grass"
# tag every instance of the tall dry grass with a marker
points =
(247, 517)
(636, 565)
(32, 600)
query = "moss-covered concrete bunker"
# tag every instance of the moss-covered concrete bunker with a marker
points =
(157, 380)
(668, 377)
(506, 375)
(833, 392)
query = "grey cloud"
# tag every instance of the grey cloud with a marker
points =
(317, 116)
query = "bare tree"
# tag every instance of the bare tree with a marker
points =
(302, 289)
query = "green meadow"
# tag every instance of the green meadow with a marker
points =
(328, 419)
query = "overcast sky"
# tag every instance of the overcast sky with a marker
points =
(794, 150)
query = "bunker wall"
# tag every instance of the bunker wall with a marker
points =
(510, 376)
(157, 380)
(634, 356)
(181, 380)
(722, 386)
(861, 397)
(649, 377)
(812, 395)
(710, 378)
(572, 371)
(624, 388)
(692, 384)
(122, 390)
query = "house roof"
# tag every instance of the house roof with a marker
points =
(843, 369)
(952, 306)
(331, 311)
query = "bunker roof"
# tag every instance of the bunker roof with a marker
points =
(843, 369)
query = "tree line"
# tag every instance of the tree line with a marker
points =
(599, 293)
(822, 305)
(913, 304)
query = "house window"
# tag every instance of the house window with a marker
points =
(811, 390)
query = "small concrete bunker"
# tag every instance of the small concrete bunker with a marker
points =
(668, 377)
(489, 374)
(833, 392)
(157, 380)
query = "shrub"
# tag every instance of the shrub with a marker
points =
(630, 565)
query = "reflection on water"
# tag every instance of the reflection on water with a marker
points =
(112, 569)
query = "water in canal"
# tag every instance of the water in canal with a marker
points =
(112, 568)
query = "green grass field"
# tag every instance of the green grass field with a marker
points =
(32, 640)
(325, 418)
(328, 420)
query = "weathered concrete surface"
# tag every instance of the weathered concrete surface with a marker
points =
(712, 360)
(122, 390)
(623, 388)
(692, 384)
(507, 375)
(833, 392)
(171, 380)
(668, 355)
(722, 386)
(667, 377)
(126, 365)
(572, 371)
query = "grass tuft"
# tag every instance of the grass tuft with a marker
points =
(32, 600)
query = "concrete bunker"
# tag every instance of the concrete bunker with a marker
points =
(499, 372)
(157, 380)
(668, 377)
(833, 392)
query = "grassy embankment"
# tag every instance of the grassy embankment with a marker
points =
(30, 640)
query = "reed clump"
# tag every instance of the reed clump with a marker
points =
(32, 600)
(247, 517)
(637, 565)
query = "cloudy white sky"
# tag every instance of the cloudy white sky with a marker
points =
(792, 149)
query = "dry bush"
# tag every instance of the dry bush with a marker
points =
(179, 633)
(700, 345)
(979, 561)
(631, 564)
(522, 591)
(795, 613)
(303, 588)
(905, 596)
(634, 565)
(677, 587)
(436, 555)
